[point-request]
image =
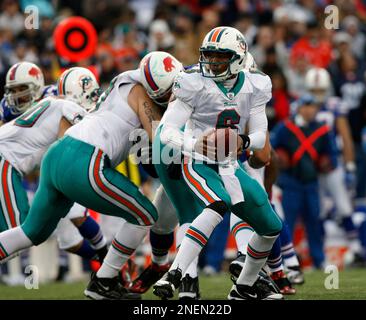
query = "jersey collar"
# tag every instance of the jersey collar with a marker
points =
(235, 89)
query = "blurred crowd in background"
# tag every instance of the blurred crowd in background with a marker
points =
(285, 37)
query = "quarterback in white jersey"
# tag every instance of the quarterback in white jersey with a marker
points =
(222, 95)
(207, 104)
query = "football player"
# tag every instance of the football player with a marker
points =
(80, 168)
(78, 232)
(155, 77)
(187, 209)
(221, 95)
(27, 80)
(24, 87)
(25, 139)
(261, 165)
(75, 232)
(333, 112)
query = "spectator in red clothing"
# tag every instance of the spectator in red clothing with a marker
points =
(318, 50)
(280, 96)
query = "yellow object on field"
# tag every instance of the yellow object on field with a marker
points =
(130, 169)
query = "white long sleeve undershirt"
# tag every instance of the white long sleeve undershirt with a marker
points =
(179, 113)
(173, 120)
(257, 125)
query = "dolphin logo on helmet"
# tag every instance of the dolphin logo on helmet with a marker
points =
(86, 82)
(79, 85)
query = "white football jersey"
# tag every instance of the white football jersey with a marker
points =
(110, 125)
(214, 106)
(24, 140)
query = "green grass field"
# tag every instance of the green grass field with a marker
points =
(352, 285)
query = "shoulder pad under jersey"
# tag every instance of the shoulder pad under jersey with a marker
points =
(186, 86)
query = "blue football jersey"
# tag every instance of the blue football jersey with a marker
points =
(333, 108)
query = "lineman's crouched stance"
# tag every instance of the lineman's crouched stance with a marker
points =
(79, 168)
(23, 142)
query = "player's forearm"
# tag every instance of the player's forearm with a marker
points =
(348, 154)
(171, 136)
(173, 120)
(149, 114)
(261, 157)
(258, 125)
(271, 173)
(257, 140)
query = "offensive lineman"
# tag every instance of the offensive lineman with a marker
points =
(23, 143)
(154, 78)
(79, 167)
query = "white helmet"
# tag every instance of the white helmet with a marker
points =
(28, 77)
(224, 40)
(317, 81)
(317, 78)
(158, 70)
(79, 85)
(250, 62)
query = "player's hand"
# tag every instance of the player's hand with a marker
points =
(218, 144)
